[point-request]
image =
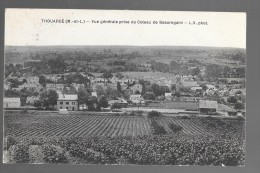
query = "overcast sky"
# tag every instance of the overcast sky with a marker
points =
(25, 27)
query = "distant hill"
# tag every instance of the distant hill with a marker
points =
(20, 54)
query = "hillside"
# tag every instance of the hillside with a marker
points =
(165, 54)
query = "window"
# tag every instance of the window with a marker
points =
(61, 107)
(67, 103)
(73, 103)
(67, 107)
(61, 103)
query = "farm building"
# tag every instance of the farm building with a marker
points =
(31, 100)
(119, 101)
(52, 77)
(189, 84)
(33, 80)
(137, 98)
(12, 102)
(77, 86)
(168, 96)
(207, 106)
(235, 80)
(69, 102)
(7, 85)
(94, 94)
(54, 86)
(196, 88)
(29, 86)
(225, 110)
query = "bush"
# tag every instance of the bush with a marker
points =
(240, 118)
(53, 155)
(21, 154)
(175, 128)
(154, 114)
(9, 141)
(157, 129)
(185, 117)
(136, 113)
(149, 96)
(116, 106)
(139, 113)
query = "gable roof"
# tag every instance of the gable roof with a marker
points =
(208, 104)
(67, 97)
(222, 107)
(11, 99)
(190, 84)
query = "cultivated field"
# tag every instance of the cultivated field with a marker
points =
(84, 125)
(74, 125)
(40, 137)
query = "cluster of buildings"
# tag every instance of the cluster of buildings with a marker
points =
(231, 87)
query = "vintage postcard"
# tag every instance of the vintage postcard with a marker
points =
(124, 87)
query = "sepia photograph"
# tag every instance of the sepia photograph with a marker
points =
(124, 87)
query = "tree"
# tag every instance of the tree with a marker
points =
(69, 79)
(61, 79)
(185, 89)
(100, 91)
(175, 128)
(173, 87)
(72, 90)
(57, 65)
(11, 93)
(239, 92)
(107, 75)
(52, 97)
(204, 87)
(174, 65)
(213, 72)
(116, 106)
(14, 83)
(24, 81)
(232, 99)
(149, 96)
(177, 94)
(156, 89)
(241, 72)
(37, 104)
(44, 99)
(143, 89)
(195, 71)
(65, 90)
(154, 114)
(119, 75)
(23, 99)
(118, 87)
(42, 79)
(93, 104)
(48, 98)
(239, 106)
(112, 93)
(83, 96)
(103, 102)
